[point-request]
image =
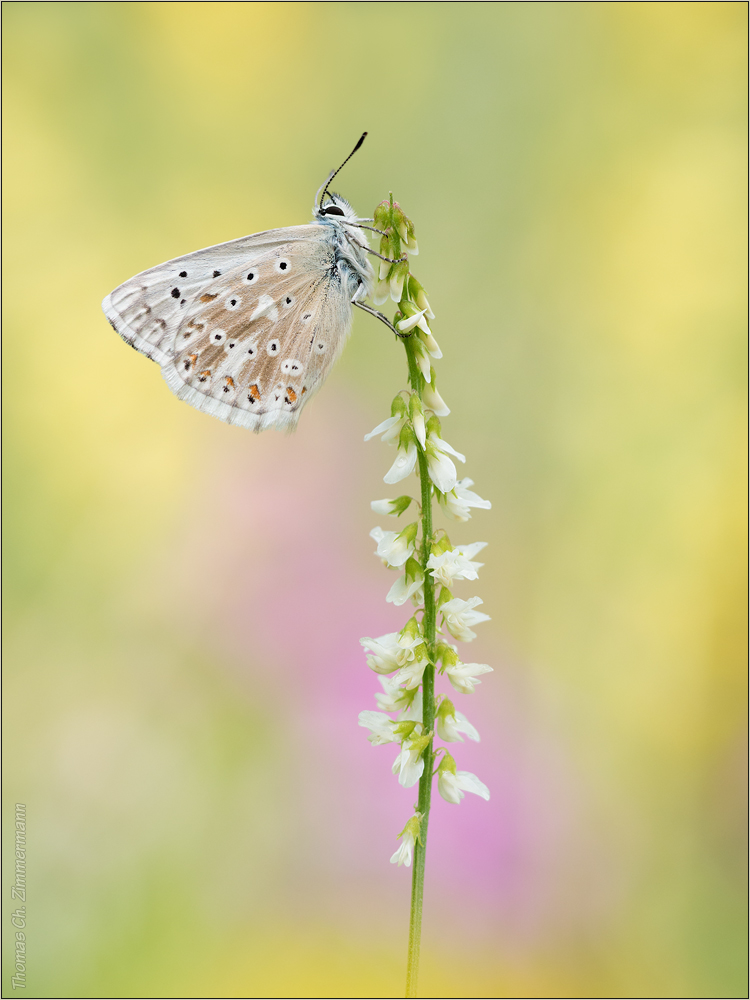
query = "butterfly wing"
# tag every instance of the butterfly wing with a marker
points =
(262, 338)
(246, 331)
(147, 310)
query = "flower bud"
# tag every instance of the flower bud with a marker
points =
(417, 418)
(394, 508)
(398, 276)
(382, 215)
(381, 293)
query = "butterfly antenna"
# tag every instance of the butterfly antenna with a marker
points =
(325, 189)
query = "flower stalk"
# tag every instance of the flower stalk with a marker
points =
(408, 661)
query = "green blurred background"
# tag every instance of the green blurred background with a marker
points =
(184, 599)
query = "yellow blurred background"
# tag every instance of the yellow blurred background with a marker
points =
(184, 600)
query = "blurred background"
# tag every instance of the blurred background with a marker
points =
(184, 599)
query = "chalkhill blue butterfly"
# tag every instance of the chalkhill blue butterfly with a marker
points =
(249, 330)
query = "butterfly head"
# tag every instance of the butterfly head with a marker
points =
(335, 207)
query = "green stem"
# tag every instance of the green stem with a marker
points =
(429, 625)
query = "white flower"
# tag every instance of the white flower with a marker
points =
(429, 341)
(395, 547)
(458, 615)
(391, 651)
(448, 449)
(416, 413)
(408, 838)
(411, 584)
(442, 471)
(404, 464)
(450, 724)
(390, 428)
(441, 468)
(433, 400)
(422, 357)
(455, 564)
(463, 676)
(457, 502)
(403, 855)
(410, 675)
(421, 299)
(409, 764)
(397, 699)
(409, 322)
(452, 786)
(380, 726)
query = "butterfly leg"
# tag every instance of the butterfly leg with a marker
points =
(381, 317)
(390, 260)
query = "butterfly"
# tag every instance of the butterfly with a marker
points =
(249, 330)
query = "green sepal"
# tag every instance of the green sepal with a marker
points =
(413, 826)
(443, 544)
(447, 764)
(411, 629)
(446, 709)
(405, 729)
(400, 504)
(412, 569)
(398, 406)
(447, 656)
(407, 436)
(445, 596)
(382, 215)
(433, 425)
(409, 533)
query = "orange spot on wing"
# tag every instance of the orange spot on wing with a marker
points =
(255, 392)
(230, 382)
(208, 297)
(291, 395)
(304, 390)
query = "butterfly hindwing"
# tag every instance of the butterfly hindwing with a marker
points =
(258, 341)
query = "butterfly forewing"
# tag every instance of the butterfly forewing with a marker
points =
(147, 309)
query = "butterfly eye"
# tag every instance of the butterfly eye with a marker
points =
(218, 336)
(183, 274)
(229, 345)
(272, 348)
(251, 277)
(333, 210)
(282, 266)
(234, 302)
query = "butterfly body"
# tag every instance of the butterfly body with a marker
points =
(248, 330)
